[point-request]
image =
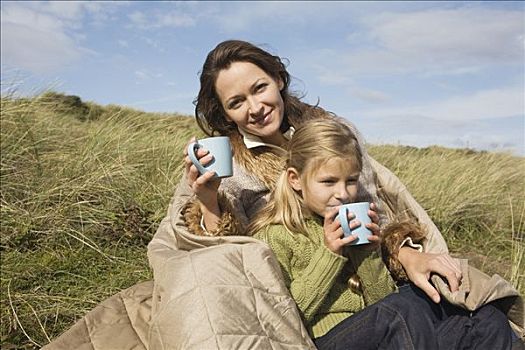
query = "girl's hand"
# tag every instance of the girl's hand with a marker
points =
(419, 266)
(374, 238)
(333, 232)
(204, 186)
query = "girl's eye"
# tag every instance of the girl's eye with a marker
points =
(328, 182)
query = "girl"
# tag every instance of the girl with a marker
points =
(341, 289)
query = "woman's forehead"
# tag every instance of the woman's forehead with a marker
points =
(238, 77)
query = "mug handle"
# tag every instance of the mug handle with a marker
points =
(343, 213)
(192, 147)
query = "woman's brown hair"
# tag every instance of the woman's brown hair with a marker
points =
(209, 112)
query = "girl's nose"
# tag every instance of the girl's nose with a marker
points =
(342, 194)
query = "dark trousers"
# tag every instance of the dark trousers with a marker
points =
(411, 320)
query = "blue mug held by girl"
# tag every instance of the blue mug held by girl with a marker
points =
(360, 211)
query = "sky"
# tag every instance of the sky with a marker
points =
(409, 73)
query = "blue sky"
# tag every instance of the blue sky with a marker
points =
(414, 73)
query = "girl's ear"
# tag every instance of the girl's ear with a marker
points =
(293, 178)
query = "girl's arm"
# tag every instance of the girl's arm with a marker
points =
(374, 277)
(310, 286)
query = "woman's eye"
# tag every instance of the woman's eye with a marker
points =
(260, 87)
(234, 104)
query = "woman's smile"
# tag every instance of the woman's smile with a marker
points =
(264, 120)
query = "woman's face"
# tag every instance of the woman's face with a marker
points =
(252, 100)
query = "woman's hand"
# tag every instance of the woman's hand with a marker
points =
(419, 266)
(204, 186)
(333, 232)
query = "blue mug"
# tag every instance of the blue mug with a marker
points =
(360, 211)
(220, 148)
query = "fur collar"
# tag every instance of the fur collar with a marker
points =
(265, 163)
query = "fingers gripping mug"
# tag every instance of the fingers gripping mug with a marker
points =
(360, 211)
(219, 147)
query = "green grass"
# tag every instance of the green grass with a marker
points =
(477, 199)
(84, 186)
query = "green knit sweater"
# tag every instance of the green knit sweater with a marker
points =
(317, 278)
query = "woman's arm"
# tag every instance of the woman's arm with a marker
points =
(205, 187)
(418, 266)
(407, 263)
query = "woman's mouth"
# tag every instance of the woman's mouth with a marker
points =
(265, 120)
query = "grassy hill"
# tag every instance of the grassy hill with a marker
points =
(84, 186)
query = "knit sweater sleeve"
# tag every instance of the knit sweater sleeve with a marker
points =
(309, 286)
(376, 281)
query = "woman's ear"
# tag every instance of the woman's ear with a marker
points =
(225, 115)
(293, 178)
(280, 84)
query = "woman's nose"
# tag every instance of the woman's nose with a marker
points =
(255, 108)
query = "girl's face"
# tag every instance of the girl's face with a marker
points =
(252, 100)
(333, 184)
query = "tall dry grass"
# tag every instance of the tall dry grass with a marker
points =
(477, 199)
(83, 188)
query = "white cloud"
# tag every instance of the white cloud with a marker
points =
(173, 19)
(146, 74)
(123, 43)
(170, 97)
(138, 18)
(369, 95)
(457, 36)
(463, 36)
(243, 16)
(42, 37)
(486, 104)
(433, 42)
(70, 10)
(34, 41)
(502, 134)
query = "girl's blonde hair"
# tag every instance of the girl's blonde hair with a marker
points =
(313, 144)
